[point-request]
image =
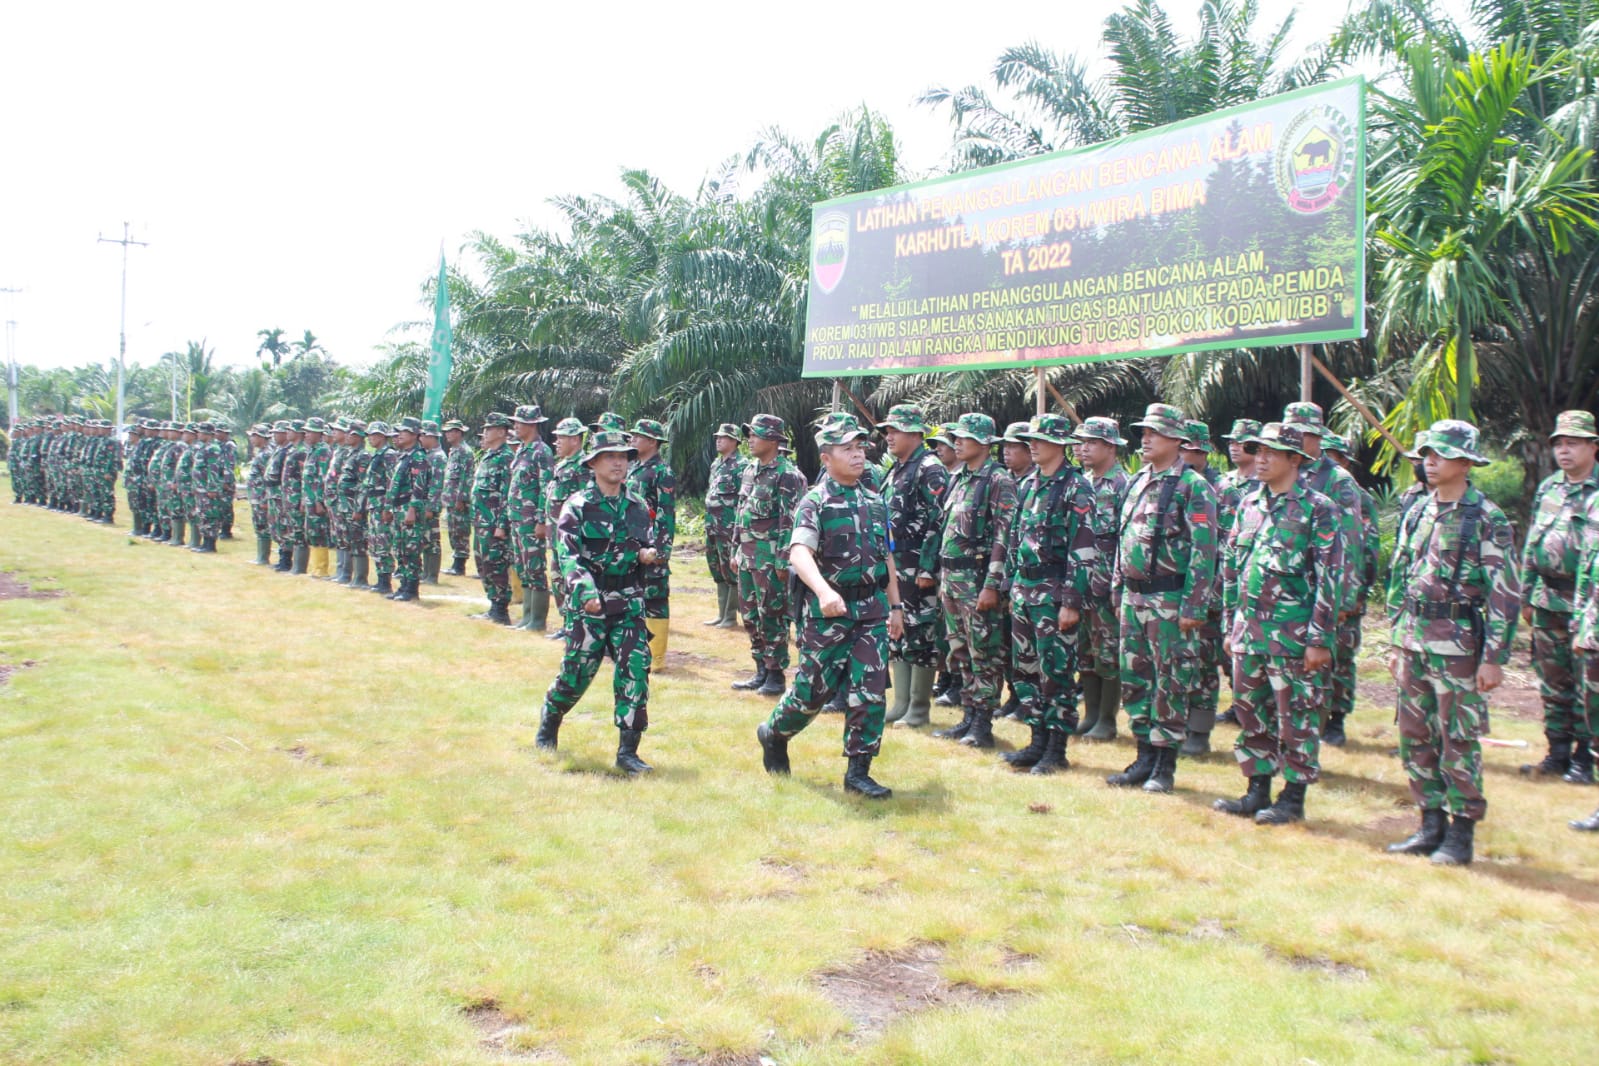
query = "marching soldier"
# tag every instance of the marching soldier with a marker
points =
(568, 475)
(1341, 701)
(491, 523)
(721, 508)
(767, 496)
(529, 529)
(457, 497)
(1098, 441)
(656, 485)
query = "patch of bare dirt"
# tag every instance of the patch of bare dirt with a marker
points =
(13, 589)
(264, 1060)
(7, 669)
(498, 1031)
(689, 658)
(882, 985)
(301, 753)
(721, 1058)
(1321, 964)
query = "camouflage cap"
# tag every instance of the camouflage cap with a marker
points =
(379, 428)
(767, 427)
(315, 425)
(1049, 427)
(1452, 439)
(609, 420)
(1242, 428)
(839, 429)
(905, 417)
(430, 428)
(648, 427)
(1013, 433)
(496, 420)
(408, 424)
(1306, 417)
(570, 427)
(1576, 424)
(1198, 437)
(530, 413)
(455, 424)
(1279, 436)
(1336, 442)
(976, 426)
(609, 440)
(1100, 428)
(1166, 420)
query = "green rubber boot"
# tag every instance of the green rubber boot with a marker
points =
(921, 702)
(900, 670)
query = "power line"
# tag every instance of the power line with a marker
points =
(122, 352)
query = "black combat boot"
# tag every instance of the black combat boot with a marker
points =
(407, 592)
(1424, 841)
(499, 613)
(959, 729)
(941, 683)
(1023, 758)
(1054, 752)
(1581, 772)
(383, 588)
(627, 759)
(1195, 744)
(981, 732)
(1252, 802)
(300, 559)
(285, 560)
(773, 684)
(754, 681)
(549, 735)
(774, 749)
(1162, 777)
(1290, 806)
(208, 545)
(1456, 848)
(1333, 732)
(1554, 764)
(457, 567)
(1138, 770)
(951, 696)
(858, 779)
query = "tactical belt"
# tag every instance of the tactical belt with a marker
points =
(1566, 585)
(857, 593)
(963, 564)
(627, 583)
(1432, 610)
(1046, 571)
(1143, 586)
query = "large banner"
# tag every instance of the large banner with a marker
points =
(1241, 228)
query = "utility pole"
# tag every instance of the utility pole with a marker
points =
(122, 352)
(11, 359)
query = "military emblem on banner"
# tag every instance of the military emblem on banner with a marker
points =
(829, 249)
(1315, 159)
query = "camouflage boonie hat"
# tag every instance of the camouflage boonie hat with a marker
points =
(974, 425)
(496, 420)
(408, 424)
(191, 427)
(767, 427)
(1336, 442)
(1100, 428)
(905, 417)
(205, 427)
(280, 426)
(570, 427)
(1198, 437)
(609, 440)
(648, 427)
(839, 429)
(1452, 439)
(728, 429)
(430, 428)
(355, 425)
(1166, 420)
(1279, 436)
(379, 428)
(315, 425)
(609, 420)
(1048, 427)
(1576, 424)
(1243, 428)
(455, 424)
(942, 434)
(1012, 434)
(1305, 417)
(530, 413)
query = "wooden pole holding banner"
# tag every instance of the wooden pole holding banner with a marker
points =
(1307, 378)
(1365, 412)
(1065, 404)
(837, 387)
(840, 388)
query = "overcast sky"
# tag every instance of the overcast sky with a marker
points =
(296, 165)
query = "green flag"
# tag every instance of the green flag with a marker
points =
(439, 361)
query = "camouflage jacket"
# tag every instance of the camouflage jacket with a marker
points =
(1280, 573)
(525, 493)
(568, 476)
(1105, 519)
(207, 469)
(721, 493)
(274, 468)
(334, 476)
(1453, 599)
(1230, 493)
(255, 485)
(974, 537)
(314, 475)
(656, 485)
(183, 467)
(599, 538)
(766, 500)
(1585, 618)
(1168, 558)
(293, 475)
(491, 486)
(1559, 529)
(438, 468)
(352, 482)
(1053, 551)
(1334, 482)
(411, 481)
(846, 529)
(915, 495)
(458, 477)
(230, 463)
(376, 478)
(1370, 547)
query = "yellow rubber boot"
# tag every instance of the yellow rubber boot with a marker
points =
(658, 628)
(319, 563)
(516, 584)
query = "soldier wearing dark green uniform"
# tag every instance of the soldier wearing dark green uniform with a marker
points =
(206, 471)
(839, 550)
(568, 475)
(721, 533)
(766, 500)
(1341, 700)
(1203, 701)
(1231, 489)
(607, 539)
(656, 485)
(529, 528)
(255, 490)
(438, 464)
(1098, 441)
(410, 490)
(379, 517)
(352, 504)
(458, 495)
(313, 499)
(1585, 628)
(947, 684)
(915, 489)
(1280, 586)
(491, 523)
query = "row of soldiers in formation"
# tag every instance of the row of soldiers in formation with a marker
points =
(1068, 583)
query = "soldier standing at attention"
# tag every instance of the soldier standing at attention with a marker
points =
(1585, 632)
(458, 495)
(840, 552)
(132, 476)
(1234, 485)
(656, 485)
(410, 489)
(313, 489)
(973, 545)
(947, 684)
(230, 477)
(607, 539)
(274, 492)
(1098, 441)
(256, 489)
(915, 487)
(770, 491)
(568, 475)
(183, 484)
(721, 508)
(207, 474)
(352, 504)
(1280, 591)
(379, 518)
(338, 438)
(1342, 700)
(438, 464)
(1165, 566)
(294, 497)
(491, 525)
(529, 531)
(1549, 563)
(1017, 458)
(1453, 596)
(1203, 702)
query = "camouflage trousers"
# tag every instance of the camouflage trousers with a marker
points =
(657, 591)
(924, 616)
(589, 639)
(493, 562)
(1206, 695)
(1552, 658)
(1044, 659)
(1441, 719)
(531, 563)
(847, 653)
(1159, 668)
(1587, 664)
(316, 528)
(213, 513)
(763, 597)
(1103, 634)
(258, 519)
(1345, 655)
(459, 524)
(379, 536)
(1279, 708)
(409, 543)
(432, 541)
(355, 533)
(977, 650)
(720, 547)
(291, 525)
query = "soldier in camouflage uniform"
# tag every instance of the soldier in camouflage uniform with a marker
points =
(1231, 489)
(767, 496)
(568, 475)
(1549, 563)
(108, 464)
(655, 483)
(352, 506)
(338, 438)
(721, 507)
(1203, 701)
(206, 474)
(132, 475)
(230, 477)
(1341, 701)
(438, 462)
(1280, 573)
(457, 497)
(973, 542)
(1097, 442)
(840, 551)
(274, 492)
(1165, 567)
(1017, 459)
(915, 488)
(255, 489)
(529, 528)
(1585, 629)
(182, 486)
(410, 490)
(947, 683)
(1454, 598)
(379, 517)
(491, 525)
(1052, 555)
(607, 539)
(313, 497)
(293, 532)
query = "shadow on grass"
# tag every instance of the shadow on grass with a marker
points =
(930, 797)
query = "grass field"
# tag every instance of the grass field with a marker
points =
(248, 818)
